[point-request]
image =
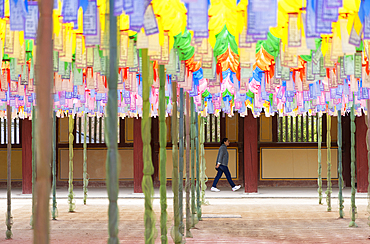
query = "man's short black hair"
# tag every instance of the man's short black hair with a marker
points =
(224, 140)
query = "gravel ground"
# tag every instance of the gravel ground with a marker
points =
(263, 220)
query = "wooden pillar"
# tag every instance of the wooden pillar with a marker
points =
(138, 156)
(155, 150)
(26, 156)
(250, 154)
(361, 154)
(346, 149)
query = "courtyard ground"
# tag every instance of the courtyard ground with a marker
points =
(269, 217)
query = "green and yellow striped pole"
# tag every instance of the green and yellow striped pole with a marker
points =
(9, 218)
(175, 233)
(199, 211)
(181, 161)
(353, 166)
(54, 211)
(187, 182)
(328, 154)
(147, 183)
(340, 167)
(319, 170)
(162, 152)
(194, 219)
(70, 179)
(112, 164)
(85, 178)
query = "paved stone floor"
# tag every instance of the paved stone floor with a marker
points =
(263, 220)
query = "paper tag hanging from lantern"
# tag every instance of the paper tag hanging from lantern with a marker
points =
(285, 73)
(165, 49)
(142, 41)
(70, 11)
(358, 65)
(90, 19)
(315, 66)
(171, 66)
(150, 22)
(327, 59)
(131, 53)
(21, 59)
(305, 43)
(349, 65)
(207, 59)
(154, 48)
(242, 38)
(93, 39)
(78, 54)
(339, 74)
(181, 75)
(89, 56)
(123, 46)
(67, 48)
(336, 49)
(355, 36)
(25, 75)
(58, 40)
(346, 47)
(294, 33)
(198, 16)
(365, 78)
(17, 47)
(90, 79)
(67, 71)
(4, 80)
(333, 79)
(203, 47)
(354, 84)
(77, 76)
(31, 23)
(197, 56)
(309, 75)
(247, 56)
(9, 39)
(17, 10)
(289, 58)
(322, 26)
(104, 34)
(2, 7)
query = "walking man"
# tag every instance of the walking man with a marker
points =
(221, 166)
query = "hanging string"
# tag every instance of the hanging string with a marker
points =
(72, 205)
(181, 160)
(163, 153)
(340, 167)
(85, 175)
(199, 211)
(353, 166)
(187, 182)
(328, 154)
(319, 179)
(54, 211)
(9, 218)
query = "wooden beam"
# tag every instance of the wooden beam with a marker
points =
(26, 156)
(361, 154)
(250, 154)
(138, 157)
